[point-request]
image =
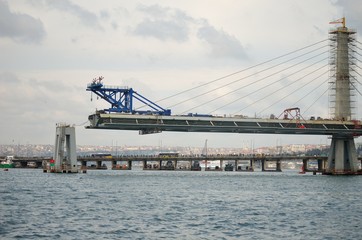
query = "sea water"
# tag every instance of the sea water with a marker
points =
(137, 204)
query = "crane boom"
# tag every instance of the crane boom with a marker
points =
(122, 99)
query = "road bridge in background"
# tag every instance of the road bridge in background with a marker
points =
(239, 162)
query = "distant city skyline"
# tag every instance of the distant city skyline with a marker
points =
(33, 150)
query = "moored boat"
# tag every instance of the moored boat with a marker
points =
(8, 162)
(196, 166)
(229, 167)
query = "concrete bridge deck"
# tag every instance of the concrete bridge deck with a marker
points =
(146, 124)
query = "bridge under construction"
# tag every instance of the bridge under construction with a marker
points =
(146, 124)
(342, 159)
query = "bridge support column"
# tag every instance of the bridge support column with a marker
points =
(305, 165)
(65, 156)
(278, 165)
(83, 166)
(251, 167)
(114, 164)
(321, 165)
(262, 165)
(342, 159)
(129, 165)
(99, 164)
(144, 164)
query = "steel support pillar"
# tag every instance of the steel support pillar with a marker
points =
(342, 159)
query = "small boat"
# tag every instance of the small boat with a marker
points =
(7, 163)
(196, 166)
(169, 166)
(229, 167)
(31, 165)
(95, 167)
(302, 170)
(216, 168)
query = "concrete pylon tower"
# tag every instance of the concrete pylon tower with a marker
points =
(65, 155)
(342, 157)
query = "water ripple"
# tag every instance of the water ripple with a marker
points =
(179, 205)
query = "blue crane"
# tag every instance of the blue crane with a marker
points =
(122, 99)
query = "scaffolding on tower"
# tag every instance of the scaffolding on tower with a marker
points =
(342, 79)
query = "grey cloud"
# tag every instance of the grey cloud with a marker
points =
(114, 25)
(86, 17)
(154, 10)
(50, 86)
(163, 23)
(20, 27)
(221, 43)
(162, 30)
(173, 24)
(8, 78)
(104, 14)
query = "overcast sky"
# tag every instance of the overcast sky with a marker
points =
(51, 49)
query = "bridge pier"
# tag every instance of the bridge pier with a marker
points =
(342, 159)
(278, 166)
(65, 157)
(99, 164)
(305, 165)
(83, 166)
(321, 165)
(114, 164)
(262, 165)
